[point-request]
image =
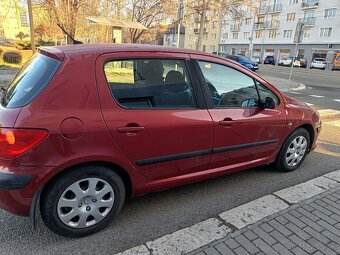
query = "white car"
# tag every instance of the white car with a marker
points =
(285, 61)
(319, 63)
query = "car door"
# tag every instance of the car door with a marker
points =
(155, 112)
(245, 132)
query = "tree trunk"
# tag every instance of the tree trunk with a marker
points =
(201, 28)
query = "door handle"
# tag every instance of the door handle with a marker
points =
(133, 130)
(227, 122)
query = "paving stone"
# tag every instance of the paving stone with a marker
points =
(302, 244)
(321, 209)
(324, 217)
(307, 214)
(280, 228)
(250, 235)
(241, 251)
(266, 227)
(223, 249)
(263, 235)
(264, 247)
(281, 249)
(321, 247)
(282, 220)
(200, 253)
(331, 236)
(298, 231)
(312, 224)
(295, 213)
(316, 235)
(283, 240)
(299, 251)
(231, 243)
(246, 244)
(295, 220)
(329, 227)
(334, 246)
(211, 251)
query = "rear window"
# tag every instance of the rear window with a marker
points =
(320, 59)
(32, 78)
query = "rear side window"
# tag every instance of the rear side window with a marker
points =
(32, 78)
(150, 83)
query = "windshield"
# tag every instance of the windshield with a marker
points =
(32, 78)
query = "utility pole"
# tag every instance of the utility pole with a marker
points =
(297, 39)
(179, 18)
(30, 16)
(264, 34)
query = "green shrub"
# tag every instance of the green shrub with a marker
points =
(12, 57)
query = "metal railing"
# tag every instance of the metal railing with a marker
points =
(310, 21)
(275, 8)
(310, 4)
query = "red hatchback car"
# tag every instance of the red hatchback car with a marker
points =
(85, 126)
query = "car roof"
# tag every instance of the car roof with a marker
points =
(98, 49)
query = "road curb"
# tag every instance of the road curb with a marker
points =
(199, 235)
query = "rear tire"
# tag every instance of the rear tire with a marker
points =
(82, 201)
(294, 151)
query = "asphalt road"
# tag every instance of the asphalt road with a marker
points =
(155, 215)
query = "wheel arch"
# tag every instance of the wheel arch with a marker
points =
(310, 131)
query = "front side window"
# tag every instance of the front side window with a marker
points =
(229, 87)
(150, 83)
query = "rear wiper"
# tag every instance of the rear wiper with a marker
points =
(4, 95)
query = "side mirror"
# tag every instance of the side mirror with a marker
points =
(251, 102)
(269, 103)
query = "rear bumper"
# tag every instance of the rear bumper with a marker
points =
(14, 181)
(336, 68)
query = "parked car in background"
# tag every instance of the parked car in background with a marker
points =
(269, 60)
(300, 62)
(256, 59)
(242, 60)
(319, 63)
(336, 62)
(142, 118)
(285, 61)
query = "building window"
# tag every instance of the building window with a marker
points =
(307, 32)
(214, 24)
(258, 34)
(246, 35)
(248, 21)
(225, 36)
(206, 37)
(293, 2)
(330, 13)
(189, 37)
(212, 48)
(326, 32)
(287, 33)
(272, 34)
(189, 47)
(290, 17)
(235, 35)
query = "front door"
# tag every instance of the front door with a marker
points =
(244, 131)
(150, 105)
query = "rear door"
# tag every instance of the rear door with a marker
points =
(155, 112)
(244, 132)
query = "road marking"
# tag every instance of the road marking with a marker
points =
(301, 192)
(328, 112)
(205, 232)
(335, 123)
(308, 104)
(189, 239)
(253, 211)
(316, 96)
(301, 87)
(336, 100)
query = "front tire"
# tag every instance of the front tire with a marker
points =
(82, 201)
(294, 151)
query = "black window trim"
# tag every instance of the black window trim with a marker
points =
(198, 97)
(206, 92)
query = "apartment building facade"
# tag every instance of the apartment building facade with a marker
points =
(211, 32)
(271, 29)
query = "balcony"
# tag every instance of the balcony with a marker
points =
(274, 24)
(259, 26)
(275, 8)
(308, 22)
(235, 28)
(310, 4)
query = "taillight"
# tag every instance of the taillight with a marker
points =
(14, 142)
(325, 63)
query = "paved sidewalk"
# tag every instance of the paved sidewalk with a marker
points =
(309, 227)
(283, 84)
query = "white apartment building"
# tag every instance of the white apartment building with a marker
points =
(270, 30)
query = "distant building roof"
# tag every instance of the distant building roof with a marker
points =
(173, 29)
(115, 23)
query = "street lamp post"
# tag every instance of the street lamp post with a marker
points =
(30, 16)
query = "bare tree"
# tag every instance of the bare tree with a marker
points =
(149, 13)
(217, 8)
